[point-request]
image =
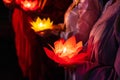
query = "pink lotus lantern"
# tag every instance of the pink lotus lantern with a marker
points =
(66, 53)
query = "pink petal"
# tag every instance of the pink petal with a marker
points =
(60, 41)
(77, 51)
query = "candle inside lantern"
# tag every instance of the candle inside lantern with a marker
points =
(28, 5)
(64, 50)
(67, 51)
(41, 25)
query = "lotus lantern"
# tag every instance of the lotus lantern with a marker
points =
(31, 5)
(65, 52)
(41, 25)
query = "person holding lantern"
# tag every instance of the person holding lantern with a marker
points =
(79, 19)
(101, 49)
(99, 59)
(32, 60)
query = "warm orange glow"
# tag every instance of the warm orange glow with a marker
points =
(65, 52)
(68, 48)
(41, 25)
(29, 5)
(7, 1)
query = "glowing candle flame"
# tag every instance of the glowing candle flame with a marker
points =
(28, 5)
(64, 50)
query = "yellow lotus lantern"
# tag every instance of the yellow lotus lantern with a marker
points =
(41, 25)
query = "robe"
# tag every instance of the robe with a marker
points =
(105, 42)
(80, 18)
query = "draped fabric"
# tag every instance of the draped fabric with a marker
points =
(117, 60)
(105, 40)
(27, 49)
(80, 17)
(20, 48)
(29, 46)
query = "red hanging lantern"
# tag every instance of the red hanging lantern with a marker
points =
(31, 5)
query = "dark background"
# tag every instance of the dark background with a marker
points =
(9, 69)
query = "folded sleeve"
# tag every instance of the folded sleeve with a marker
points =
(117, 61)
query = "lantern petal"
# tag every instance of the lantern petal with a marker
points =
(54, 57)
(79, 44)
(59, 42)
(71, 42)
(58, 45)
(77, 51)
(82, 57)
